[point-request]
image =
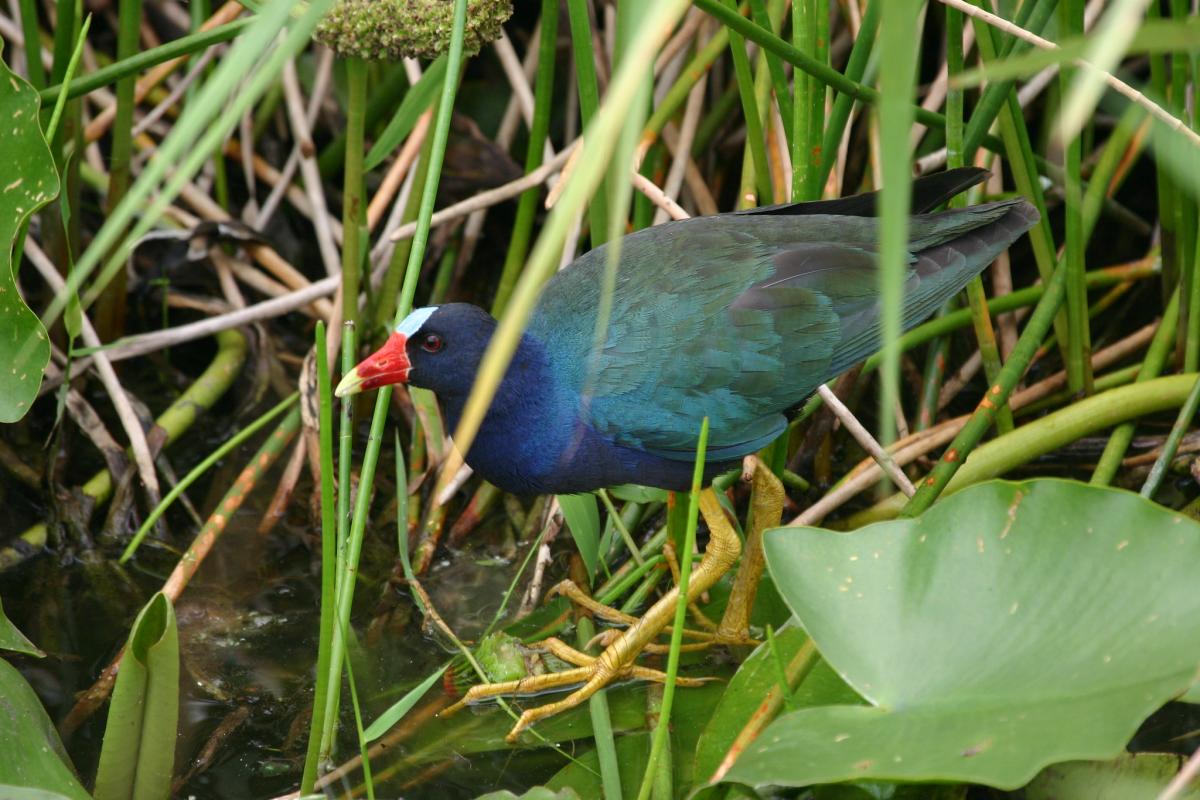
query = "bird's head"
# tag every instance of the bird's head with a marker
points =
(436, 348)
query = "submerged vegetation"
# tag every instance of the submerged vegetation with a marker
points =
(217, 580)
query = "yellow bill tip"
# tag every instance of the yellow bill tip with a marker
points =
(351, 383)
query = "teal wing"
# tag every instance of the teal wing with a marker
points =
(738, 318)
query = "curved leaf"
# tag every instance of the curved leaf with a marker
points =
(34, 757)
(27, 182)
(583, 519)
(12, 639)
(139, 739)
(1012, 626)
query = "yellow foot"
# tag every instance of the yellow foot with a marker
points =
(589, 675)
(571, 590)
(616, 662)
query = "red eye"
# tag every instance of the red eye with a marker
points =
(431, 343)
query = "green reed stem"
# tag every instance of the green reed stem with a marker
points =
(685, 571)
(589, 101)
(898, 61)
(329, 573)
(1078, 351)
(1041, 436)
(971, 434)
(1171, 446)
(32, 35)
(140, 62)
(1152, 366)
(758, 8)
(1032, 16)
(676, 96)
(539, 130)
(354, 212)
(985, 334)
(755, 143)
(856, 67)
(439, 136)
(194, 474)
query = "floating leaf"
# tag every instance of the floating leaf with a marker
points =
(27, 182)
(756, 677)
(1012, 626)
(34, 757)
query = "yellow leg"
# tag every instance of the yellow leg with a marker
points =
(570, 590)
(616, 662)
(693, 607)
(766, 511)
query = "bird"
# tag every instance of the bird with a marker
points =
(734, 317)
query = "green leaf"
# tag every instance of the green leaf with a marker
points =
(29, 182)
(632, 493)
(394, 714)
(25, 793)
(583, 518)
(536, 793)
(139, 739)
(1132, 776)
(418, 98)
(34, 757)
(1154, 36)
(758, 675)
(1012, 626)
(12, 639)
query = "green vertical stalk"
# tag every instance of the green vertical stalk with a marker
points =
(803, 38)
(1171, 446)
(755, 142)
(762, 18)
(353, 206)
(328, 564)
(389, 289)
(527, 207)
(1183, 206)
(856, 67)
(589, 101)
(340, 532)
(1078, 345)
(1165, 184)
(985, 334)
(33, 43)
(1191, 352)
(1021, 160)
(1032, 16)
(67, 14)
(658, 744)
(676, 96)
(817, 96)
(956, 454)
(898, 62)
(1152, 366)
(810, 33)
(438, 136)
(110, 307)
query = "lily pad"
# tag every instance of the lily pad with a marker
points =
(746, 696)
(1133, 776)
(1012, 626)
(27, 182)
